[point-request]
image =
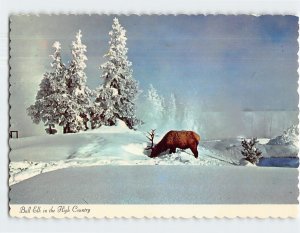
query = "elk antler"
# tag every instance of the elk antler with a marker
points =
(150, 137)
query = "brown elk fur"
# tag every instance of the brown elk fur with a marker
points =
(177, 139)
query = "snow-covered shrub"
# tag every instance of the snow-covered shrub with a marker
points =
(115, 99)
(250, 152)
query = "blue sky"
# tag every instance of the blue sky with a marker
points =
(222, 62)
(249, 61)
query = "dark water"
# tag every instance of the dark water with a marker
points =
(279, 162)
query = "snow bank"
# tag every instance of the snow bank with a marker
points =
(244, 162)
(285, 145)
(263, 141)
(289, 137)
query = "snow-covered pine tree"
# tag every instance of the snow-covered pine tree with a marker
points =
(250, 152)
(157, 102)
(102, 110)
(154, 109)
(117, 95)
(77, 112)
(51, 96)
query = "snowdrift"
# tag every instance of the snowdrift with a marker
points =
(289, 137)
(284, 145)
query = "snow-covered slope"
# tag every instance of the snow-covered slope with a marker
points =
(116, 145)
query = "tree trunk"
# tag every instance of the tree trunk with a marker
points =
(86, 124)
(67, 128)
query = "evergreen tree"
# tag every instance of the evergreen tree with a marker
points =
(51, 96)
(77, 111)
(156, 101)
(154, 109)
(117, 95)
(250, 152)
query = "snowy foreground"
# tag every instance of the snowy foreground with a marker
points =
(117, 145)
(160, 185)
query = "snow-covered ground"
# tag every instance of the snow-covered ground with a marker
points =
(117, 145)
(159, 185)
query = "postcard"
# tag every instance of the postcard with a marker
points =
(153, 116)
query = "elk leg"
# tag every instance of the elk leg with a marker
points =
(172, 150)
(195, 151)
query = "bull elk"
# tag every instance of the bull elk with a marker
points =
(175, 139)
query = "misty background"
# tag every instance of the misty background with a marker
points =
(236, 75)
